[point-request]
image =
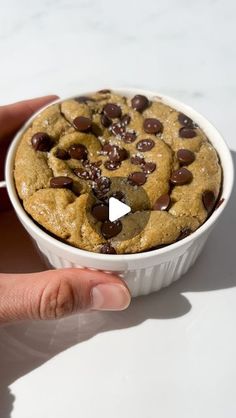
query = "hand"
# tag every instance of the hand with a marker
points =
(55, 293)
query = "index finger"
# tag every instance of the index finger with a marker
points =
(14, 115)
(12, 118)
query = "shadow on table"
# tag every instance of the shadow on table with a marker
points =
(27, 345)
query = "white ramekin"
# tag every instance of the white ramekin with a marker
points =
(145, 272)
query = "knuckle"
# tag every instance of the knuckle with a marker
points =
(57, 300)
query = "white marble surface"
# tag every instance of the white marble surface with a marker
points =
(171, 354)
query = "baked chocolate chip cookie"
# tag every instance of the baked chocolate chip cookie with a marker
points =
(79, 153)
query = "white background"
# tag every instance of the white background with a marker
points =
(171, 354)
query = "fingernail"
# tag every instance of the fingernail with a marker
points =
(110, 297)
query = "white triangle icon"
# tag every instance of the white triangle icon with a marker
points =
(117, 209)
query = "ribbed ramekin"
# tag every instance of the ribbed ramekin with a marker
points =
(144, 272)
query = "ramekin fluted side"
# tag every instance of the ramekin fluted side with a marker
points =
(145, 280)
(152, 279)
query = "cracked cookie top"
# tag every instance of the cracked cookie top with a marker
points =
(78, 153)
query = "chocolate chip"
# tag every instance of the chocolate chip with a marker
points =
(95, 163)
(84, 99)
(82, 173)
(112, 165)
(105, 121)
(185, 156)
(103, 199)
(96, 130)
(162, 203)
(106, 148)
(181, 176)
(107, 249)
(219, 203)
(102, 186)
(76, 189)
(78, 151)
(149, 167)
(94, 170)
(145, 145)
(184, 233)
(117, 129)
(100, 212)
(125, 120)
(208, 199)
(61, 182)
(138, 178)
(82, 124)
(129, 137)
(137, 160)
(117, 154)
(62, 154)
(111, 110)
(103, 183)
(111, 229)
(104, 91)
(187, 133)
(118, 195)
(41, 141)
(152, 126)
(91, 171)
(185, 120)
(139, 102)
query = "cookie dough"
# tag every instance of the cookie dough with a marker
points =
(80, 152)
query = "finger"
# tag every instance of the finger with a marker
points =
(57, 293)
(14, 115)
(11, 119)
(5, 203)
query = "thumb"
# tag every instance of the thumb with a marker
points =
(56, 293)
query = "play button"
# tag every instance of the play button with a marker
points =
(117, 209)
(108, 203)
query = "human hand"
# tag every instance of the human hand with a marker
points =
(55, 293)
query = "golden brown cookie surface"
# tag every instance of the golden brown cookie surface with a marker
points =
(79, 153)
